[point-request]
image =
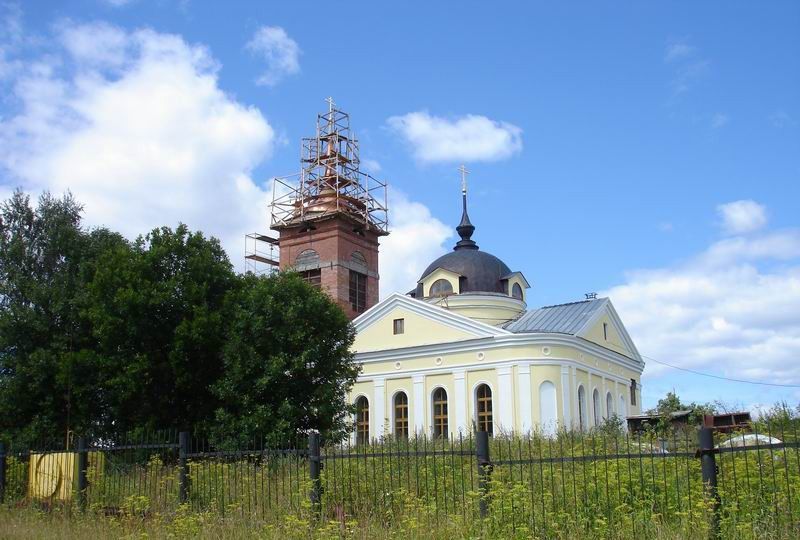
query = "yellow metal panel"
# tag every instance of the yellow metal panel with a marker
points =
(54, 475)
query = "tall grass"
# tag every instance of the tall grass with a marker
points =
(603, 484)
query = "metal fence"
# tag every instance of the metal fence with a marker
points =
(600, 481)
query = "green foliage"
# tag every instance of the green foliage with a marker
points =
(101, 336)
(672, 403)
(156, 308)
(575, 485)
(49, 370)
(287, 363)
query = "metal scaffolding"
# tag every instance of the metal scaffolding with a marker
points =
(260, 253)
(331, 181)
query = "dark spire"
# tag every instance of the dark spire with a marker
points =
(465, 228)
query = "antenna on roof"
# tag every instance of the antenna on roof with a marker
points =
(591, 295)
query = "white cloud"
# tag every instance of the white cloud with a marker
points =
(781, 119)
(117, 3)
(719, 120)
(740, 217)
(467, 138)
(687, 67)
(677, 49)
(11, 37)
(279, 51)
(151, 142)
(370, 165)
(416, 239)
(97, 44)
(730, 310)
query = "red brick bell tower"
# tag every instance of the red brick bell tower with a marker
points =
(330, 221)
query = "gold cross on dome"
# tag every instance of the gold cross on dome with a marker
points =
(464, 172)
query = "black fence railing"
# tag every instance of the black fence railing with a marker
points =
(598, 482)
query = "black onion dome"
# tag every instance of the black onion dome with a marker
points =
(481, 271)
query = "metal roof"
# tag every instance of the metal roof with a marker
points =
(559, 319)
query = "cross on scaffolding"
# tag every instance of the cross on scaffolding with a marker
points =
(464, 172)
(330, 104)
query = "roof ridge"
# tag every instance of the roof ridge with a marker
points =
(588, 301)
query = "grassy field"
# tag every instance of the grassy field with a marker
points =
(30, 524)
(596, 485)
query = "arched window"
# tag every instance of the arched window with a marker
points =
(306, 257)
(362, 420)
(440, 428)
(483, 408)
(359, 260)
(548, 408)
(516, 291)
(609, 405)
(582, 416)
(623, 410)
(596, 406)
(401, 415)
(441, 287)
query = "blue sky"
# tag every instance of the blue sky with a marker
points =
(650, 152)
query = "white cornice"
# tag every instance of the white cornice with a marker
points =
(420, 373)
(497, 342)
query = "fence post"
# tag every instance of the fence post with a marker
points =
(83, 465)
(183, 467)
(484, 471)
(2, 472)
(314, 470)
(708, 467)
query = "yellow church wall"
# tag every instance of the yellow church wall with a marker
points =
(362, 388)
(540, 374)
(488, 309)
(418, 330)
(614, 341)
(482, 364)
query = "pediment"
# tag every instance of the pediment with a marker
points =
(605, 328)
(423, 324)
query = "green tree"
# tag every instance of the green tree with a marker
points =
(157, 313)
(287, 361)
(671, 403)
(48, 368)
(99, 335)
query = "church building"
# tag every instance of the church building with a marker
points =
(461, 352)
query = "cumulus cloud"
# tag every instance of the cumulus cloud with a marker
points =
(95, 45)
(732, 309)
(740, 217)
(466, 138)
(136, 126)
(416, 239)
(280, 52)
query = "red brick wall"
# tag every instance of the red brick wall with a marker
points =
(334, 240)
